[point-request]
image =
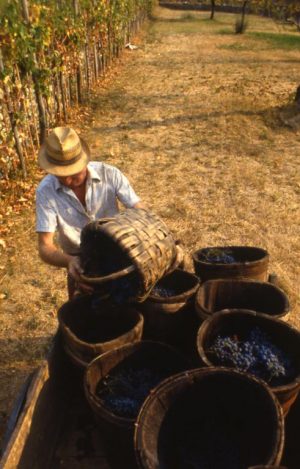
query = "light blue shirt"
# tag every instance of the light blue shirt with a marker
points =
(59, 210)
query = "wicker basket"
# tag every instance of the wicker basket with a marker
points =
(135, 244)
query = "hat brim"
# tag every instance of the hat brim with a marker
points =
(65, 170)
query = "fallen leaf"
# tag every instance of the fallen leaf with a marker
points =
(3, 296)
(2, 243)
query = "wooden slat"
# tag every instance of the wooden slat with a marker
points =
(13, 452)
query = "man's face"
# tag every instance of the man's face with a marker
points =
(74, 181)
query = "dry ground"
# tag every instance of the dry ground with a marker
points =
(191, 117)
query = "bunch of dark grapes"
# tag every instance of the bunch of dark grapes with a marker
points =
(163, 292)
(255, 354)
(123, 289)
(125, 391)
(217, 256)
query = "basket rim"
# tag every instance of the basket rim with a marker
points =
(203, 311)
(96, 362)
(205, 326)
(176, 298)
(264, 252)
(88, 345)
(189, 376)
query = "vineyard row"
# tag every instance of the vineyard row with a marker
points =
(52, 52)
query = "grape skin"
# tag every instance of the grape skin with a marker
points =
(255, 354)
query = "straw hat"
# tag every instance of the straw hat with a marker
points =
(63, 153)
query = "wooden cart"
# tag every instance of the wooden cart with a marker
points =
(52, 426)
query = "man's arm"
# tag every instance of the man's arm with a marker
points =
(139, 205)
(51, 255)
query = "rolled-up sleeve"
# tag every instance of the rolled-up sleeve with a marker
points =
(46, 218)
(124, 191)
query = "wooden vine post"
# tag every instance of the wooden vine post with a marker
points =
(39, 97)
(13, 122)
(78, 69)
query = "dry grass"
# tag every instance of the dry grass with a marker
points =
(192, 118)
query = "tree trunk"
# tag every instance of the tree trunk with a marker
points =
(297, 97)
(213, 5)
(243, 14)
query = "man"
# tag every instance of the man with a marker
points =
(75, 192)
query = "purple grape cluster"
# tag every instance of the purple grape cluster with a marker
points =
(255, 354)
(163, 292)
(125, 391)
(217, 256)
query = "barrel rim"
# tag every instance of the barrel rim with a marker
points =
(75, 359)
(188, 375)
(176, 298)
(264, 252)
(204, 312)
(204, 327)
(96, 362)
(88, 345)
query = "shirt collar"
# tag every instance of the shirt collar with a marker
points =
(57, 184)
(92, 174)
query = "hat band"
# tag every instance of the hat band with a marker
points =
(63, 162)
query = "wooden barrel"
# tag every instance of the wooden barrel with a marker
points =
(147, 359)
(263, 297)
(205, 417)
(91, 326)
(132, 251)
(231, 262)
(238, 324)
(169, 309)
(267, 467)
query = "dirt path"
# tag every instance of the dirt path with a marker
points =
(191, 118)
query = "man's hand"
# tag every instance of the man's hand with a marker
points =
(51, 255)
(75, 270)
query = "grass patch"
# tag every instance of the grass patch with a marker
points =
(225, 31)
(236, 46)
(189, 17)
(278, 41)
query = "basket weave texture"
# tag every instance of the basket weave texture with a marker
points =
(145, 240)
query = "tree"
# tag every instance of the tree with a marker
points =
(213, 6)
(240, 25)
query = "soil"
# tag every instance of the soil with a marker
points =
(192, 117)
